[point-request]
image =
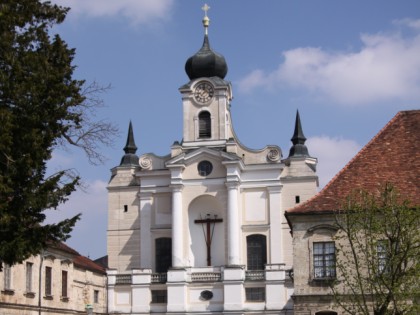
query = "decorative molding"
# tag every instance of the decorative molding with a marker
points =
(323, 227)
(273, 155)
(145, 162)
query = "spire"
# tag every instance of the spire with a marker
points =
(206, 20)
(299, 148)
(206, 62)
(130, 157)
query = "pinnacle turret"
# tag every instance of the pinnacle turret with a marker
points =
(130, 158)
(299, 148)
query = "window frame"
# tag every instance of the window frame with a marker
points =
(382, 256)
(204, 125)
(64, 284)
(159, 296)
(7, 281)
(255, 294)
(29, 277)
(325, 270)
(163, 261)
(48, 281)
(252, 261)
(96, 296)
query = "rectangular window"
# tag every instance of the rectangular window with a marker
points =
(381, 255)
(255, 294)
(7, 277)
(64, 283)
(48, 281)
(95, 296)
(159, 296)
(29, 277)
(324, 260)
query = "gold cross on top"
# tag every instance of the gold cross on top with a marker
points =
(205, 8)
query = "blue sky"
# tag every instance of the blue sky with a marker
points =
(348, 66)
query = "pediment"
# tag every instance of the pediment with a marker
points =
(200, 154)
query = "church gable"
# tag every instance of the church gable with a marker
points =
(203, 163)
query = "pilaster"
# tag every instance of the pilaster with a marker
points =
(177, 290)
(233, 223)
(140, 288)
(177, 227)
(145, 213)
(233, 282)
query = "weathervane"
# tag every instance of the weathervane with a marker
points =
(206, 20)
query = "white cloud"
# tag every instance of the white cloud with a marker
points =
(138, 12)
(387, 67)
(411, 23)
(332, 153)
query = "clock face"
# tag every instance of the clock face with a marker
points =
(203, 92)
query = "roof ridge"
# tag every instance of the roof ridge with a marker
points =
(328, 192)
(363, 149)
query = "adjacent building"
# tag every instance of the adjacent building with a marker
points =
(57, 281)
(202, 229)
(392, 156)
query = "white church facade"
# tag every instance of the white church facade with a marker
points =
(202, 230)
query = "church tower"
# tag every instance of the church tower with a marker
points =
(202, 229)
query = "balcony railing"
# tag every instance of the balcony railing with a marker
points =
(206, 276)
(254, 275)
(123, 279)
(159, 277)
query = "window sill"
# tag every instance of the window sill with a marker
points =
(322, 281)
(8, 292)
(48, 297)
(29, 294)
(64, 298)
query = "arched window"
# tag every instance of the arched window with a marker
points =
(163, 254)
(256, 248)
(204, 125)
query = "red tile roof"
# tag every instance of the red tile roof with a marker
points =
(63, 247)
(85, 263)
(393, 155)
(79, 260)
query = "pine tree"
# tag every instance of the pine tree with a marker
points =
(41, 107)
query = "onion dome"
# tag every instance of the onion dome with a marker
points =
(206, 62)
(130, 158)
(299, 148)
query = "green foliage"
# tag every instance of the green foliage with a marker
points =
(378, 251)
(41, 106)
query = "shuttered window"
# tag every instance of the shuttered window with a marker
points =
(64, 283)
(7, 277)
(29, 277)
(48, 281)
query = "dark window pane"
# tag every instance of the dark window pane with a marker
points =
(64, 283)
(255, 294)
(159, 296)
(48, 279)
(204, 125)
(163, 254)
(256, 252)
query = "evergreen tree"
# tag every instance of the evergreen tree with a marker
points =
(41, 107)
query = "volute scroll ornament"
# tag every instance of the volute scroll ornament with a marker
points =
(273, 155)
(145, 162)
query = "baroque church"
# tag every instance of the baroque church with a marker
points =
(202, 229)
